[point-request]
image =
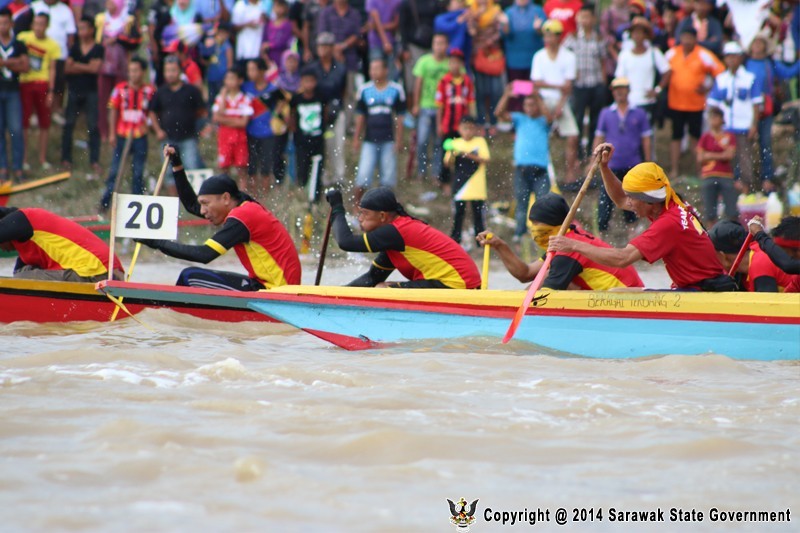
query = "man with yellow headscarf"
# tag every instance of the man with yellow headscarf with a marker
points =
(675, 235)
(568, 270)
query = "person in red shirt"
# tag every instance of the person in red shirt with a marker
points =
(564, 11)
(260, 241)
(455, 94)
(568, 270)
(232, 111)
(675, 235)
(128, 107)
(191, 71)
(775, 260)
(54, 248)
(715, 152)
(428, 258)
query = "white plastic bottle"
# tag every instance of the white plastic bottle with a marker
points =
(774, 210)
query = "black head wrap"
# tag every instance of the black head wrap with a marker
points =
(550, 209)
(222, 184)
(382, 199)
(728, 236)
(5, 211)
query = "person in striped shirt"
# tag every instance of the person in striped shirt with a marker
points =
(128, 106)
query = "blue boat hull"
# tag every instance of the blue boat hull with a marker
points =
(598, 337)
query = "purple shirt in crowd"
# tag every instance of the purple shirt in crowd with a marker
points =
(342, 28)
(625, 134)
(387, 10)
(279, 39)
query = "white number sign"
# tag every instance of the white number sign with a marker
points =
(147, 217)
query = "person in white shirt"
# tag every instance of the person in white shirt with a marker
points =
(62, 29)
(248, 20)
(553, 71)
(736, 92)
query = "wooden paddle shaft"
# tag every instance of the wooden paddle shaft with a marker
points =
(123, 160)
(487, 252)
(112, 237)
(324, 249)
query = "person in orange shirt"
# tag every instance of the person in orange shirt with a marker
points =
(690, 66)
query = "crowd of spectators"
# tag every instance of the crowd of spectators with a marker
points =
(281, 85)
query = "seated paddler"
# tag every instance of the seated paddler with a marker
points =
(54, 248)
(568, 270)
(675, 235)
(260, 241)
(772, 263)
(428, 258)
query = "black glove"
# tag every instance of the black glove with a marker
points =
(334, 197)
(150, 243)
(175, 157)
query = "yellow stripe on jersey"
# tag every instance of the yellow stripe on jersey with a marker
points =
(217, 247)
(433, 267)
(366, 241)
(264, 265)
(599, 280)
(376, 265)
(68, 254)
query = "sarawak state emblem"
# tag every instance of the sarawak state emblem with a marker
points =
(462, 516)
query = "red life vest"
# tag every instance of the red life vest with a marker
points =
(430, 254)
(61, 244)
(269, 256)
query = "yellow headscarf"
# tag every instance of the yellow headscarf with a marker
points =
(648, 182)
(488, 16)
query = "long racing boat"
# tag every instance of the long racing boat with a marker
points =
(59, 301)
(610, 324)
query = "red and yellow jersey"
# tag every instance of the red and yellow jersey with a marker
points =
(61, 244)
(430, 254)
(594, 276)
(269, 256)
(41, 53)
(762, 266)
(132, 105)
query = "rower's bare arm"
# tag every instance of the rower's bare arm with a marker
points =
(611, 182)
(515, 266)
(614, 257)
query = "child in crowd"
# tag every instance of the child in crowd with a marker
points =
(469, 179)
(715, 152)
(454, 97)
(232, 110)
(288, 82)
(308, 123)
(260, 137)
(531, 151)
(216, 53)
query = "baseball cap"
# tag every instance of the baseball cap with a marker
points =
(326, 38)
(553, 26)
(732, 48)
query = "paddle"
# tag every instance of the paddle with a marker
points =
(539, 279)
(740, 255)
(487, 252)
(6, 188)
(324, 249)
(138, 246)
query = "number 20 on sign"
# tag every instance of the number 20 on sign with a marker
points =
(146, 217)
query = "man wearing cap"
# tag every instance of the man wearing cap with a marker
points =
(262, 244)
(332, 88)
(628, 128)
(191, 71)
(728, 237)
(675, 235)
(54, 248)
(641, 65)
(690, 65)
(428, 258)
(568, 270)
(735, 92)
(553, 72)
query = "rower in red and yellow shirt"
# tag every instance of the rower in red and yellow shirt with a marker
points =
(426, 256)
(675, 235)
(568, 270)
(259, 239)
(54, 248)
(775, 260)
